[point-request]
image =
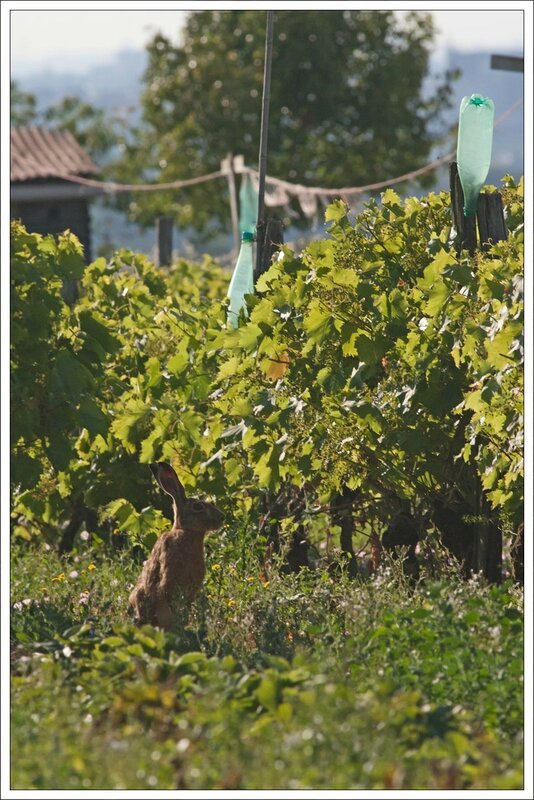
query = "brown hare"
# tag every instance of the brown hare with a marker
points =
(176, 564)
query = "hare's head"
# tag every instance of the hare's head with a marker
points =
(190, 513)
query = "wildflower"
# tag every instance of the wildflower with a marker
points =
(215, 567)
(84, 535)
(60, 577)
(91, 567)
(266, 583)
(73, 574)
(231, 602)
(250, 579)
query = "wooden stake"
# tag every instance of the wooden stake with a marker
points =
(272, 241)
(490, 218)
(489, 215)
(227, 165)
(164, 227)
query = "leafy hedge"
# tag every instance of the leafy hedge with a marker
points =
(375, 359)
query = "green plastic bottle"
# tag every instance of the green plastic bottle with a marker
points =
(242, 282)
(248, 204)
(475, 136)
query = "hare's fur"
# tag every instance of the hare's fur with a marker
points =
(175, 568)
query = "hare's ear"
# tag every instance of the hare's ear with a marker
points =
(168, 480)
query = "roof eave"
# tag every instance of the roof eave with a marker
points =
(31, 191)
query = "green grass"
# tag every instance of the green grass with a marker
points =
(305, 682)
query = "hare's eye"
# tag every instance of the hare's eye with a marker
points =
(198, 506)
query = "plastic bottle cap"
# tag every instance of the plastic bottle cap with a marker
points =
(477, 100)
(247, 236)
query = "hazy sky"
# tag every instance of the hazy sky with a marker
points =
(71, 40)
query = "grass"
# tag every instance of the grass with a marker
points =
(302, 682)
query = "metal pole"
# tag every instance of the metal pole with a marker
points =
(260, 223)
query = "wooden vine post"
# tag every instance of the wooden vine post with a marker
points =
(489, 217)
(487, 549)
(490, 225)
(164, 226)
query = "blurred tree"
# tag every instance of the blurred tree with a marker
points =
(23, 106)
(96, 130)
(347, 104)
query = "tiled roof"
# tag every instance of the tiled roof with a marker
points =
(44, 153)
